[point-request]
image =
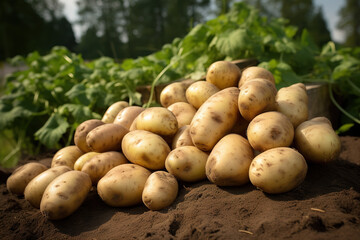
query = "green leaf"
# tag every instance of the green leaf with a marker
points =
(231, 43)
(79, 112)
(344, 128)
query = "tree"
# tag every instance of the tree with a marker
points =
(349, 22)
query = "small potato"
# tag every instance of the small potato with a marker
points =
(256, 72)
(160, 190)
(66, 156)
(184, 113)
(36, 187)
(22, 175)
(278, 170)
(182, 137)
(64, 195)
(317, 140)
(83, 159)
(172, 93)
(126, 116)
(123, 185)
(229, 161)
(99, 165)
(198, 92)
(270, 130)
(106, 137)
(82, 131)
(187, 163)
(146, 149)
(223, 74)
(113, 110)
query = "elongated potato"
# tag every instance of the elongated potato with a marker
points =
(106, 137)
(223, 74)
(113, 110)
(126, 116)
(65, 194)
(66, 156)
(22, 175)
(182, 137)
(198, 92)
(172, 93)
(215, 118)
(184, 113)
(36, 187)
(83, 159)
(99, 165)
(82, 131)
(255, 72)
(229, 161)
(123, 185)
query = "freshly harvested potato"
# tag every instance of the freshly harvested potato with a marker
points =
(255, 72)
(223, 74)
(146, 149)
(215, 118)
(182, 137)
(123, 185)
(83, 159)
(172, 93)
(36, 187)
(278, 170)
(229, 161)
(22, 175)
(184, 113)
(126, 116)
(106, 137)
(99, 165)
(187, 163)
(256, 96)
(82, 131)
(198, 92)
(270, 130)
(64, 195)
(160, 190)
(292, 101)
(317, 140)
(113, 110)
(66, 156)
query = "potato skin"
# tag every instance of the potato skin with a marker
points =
(229, 161)
(255, 72)
(198, 92)
(83, 159)
(184, 113)
(36, 187)
(160, 190)
(278, 170)
(182, 137)
(172, 93)
(123, 185)
(113, 110)
(127, 115)
(82, 131)
(66, 156)
(64, 195)
(20, 178)
(223, 74)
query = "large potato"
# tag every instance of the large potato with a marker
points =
(123, 185)
(187, 163)
(83, 159)
(146, 149)
(255, 72)
(66, 156)
(215, 118)
(99, 165)
(229, 161)
(126, 116)
(82, 131)
(317, 140)
(198, 92)
(184, 113)
(22, 175)
(182, 137)
(36, 187)
(223, 74)
(270, 130)
(172, 93)
(160, 190)
(278, 170)
(113, 110)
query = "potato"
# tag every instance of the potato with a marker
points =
(113, 110)
(292, 101)
(223, 74)
(158, 120)
(184, 112)
(270, 130)
(66, 156)
(106, 137)
(19, 179)
(255, 72)
(215, 118)
(256, 96)
(160, 190)
(187, 163)
(229, 161)
(172, 93)
(99, 165)
(278, 170)
(123, 185)
(198, 92)
(36, 187)
(317, 140)
(64, 195)
(83, 159)
(146, 149)
(82, 131)
(126, 116)
(182, 137)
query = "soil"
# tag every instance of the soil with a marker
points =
(325, 206)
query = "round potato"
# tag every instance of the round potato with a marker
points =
(82, 131)
(182, 137)
(160, 190)
(198, 92)
(278, 170)
(113, 110)
(184, 113)
(172, 93)
(123, 185)
(223, 74)
(126, 116)
(83, 159)
(256, 72)
(66, 156)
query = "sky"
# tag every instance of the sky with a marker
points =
(330, 10)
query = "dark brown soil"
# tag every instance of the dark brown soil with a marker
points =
(326, 206)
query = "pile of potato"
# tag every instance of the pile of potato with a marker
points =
(233, 128)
